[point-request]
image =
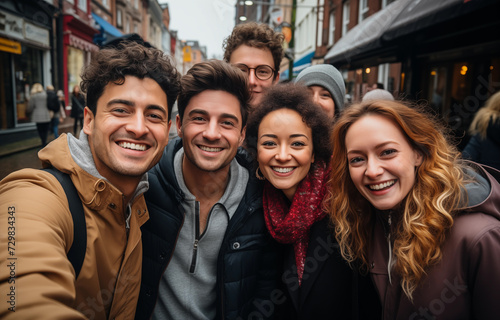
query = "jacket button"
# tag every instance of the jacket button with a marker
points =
(112, 205)
(236, 245)
(162, 256)
(149, 293)
(372, 265)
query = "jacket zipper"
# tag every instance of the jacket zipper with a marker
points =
(197, 236)
(389, 265)
(229, 234)
(181, 209)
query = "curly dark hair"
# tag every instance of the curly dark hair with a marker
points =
(257, 35)
(214, 75)
(111, 65)
(298, 98)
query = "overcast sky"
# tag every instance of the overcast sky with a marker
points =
(208, 21)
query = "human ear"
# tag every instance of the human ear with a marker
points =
(418, 158)
(178, 124)
(88, 120)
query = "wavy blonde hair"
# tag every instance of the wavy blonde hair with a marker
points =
(490, 112)
(37, 88)
(428, 209)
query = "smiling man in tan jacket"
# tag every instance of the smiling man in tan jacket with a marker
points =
(130, 93)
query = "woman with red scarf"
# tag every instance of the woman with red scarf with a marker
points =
(289, 136)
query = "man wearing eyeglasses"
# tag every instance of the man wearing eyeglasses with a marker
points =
(257, 50)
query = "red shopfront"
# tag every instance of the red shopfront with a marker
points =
(77, 49)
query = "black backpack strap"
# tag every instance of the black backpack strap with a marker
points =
(76, 253)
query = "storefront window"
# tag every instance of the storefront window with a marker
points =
(27, 71)
(6, 97)
(76, 60)
(437, 85)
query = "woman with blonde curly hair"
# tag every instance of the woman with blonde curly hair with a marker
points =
(423, 223)
(484, 145)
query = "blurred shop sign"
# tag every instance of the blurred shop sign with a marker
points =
(10, 46)
(17, 28)
(187, 54)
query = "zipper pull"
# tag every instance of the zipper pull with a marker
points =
(193, 260)
(390, 262)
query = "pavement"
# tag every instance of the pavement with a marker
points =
(24, 154)
(32, 143)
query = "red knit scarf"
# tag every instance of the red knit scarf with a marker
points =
(292, 223)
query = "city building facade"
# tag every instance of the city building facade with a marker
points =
(445, 53)
(51, 41)
(26, 57)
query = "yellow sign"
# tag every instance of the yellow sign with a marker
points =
(10, 46)
(186, 53)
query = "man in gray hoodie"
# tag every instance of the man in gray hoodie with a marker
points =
(207, 252)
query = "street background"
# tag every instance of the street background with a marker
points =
(442, 54)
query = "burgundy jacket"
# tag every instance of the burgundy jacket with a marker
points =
(466, 283)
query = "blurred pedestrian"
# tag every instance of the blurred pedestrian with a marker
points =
(77, 107)
(53, 106)
(289, 136)
(256, 49)
(484, 145)
(376, 85)
(327, 87)
(39, 113)
(422, 222)
(61, 114)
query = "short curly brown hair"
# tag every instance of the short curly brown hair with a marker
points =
(297, 98)
(256, 35)
(111, 65)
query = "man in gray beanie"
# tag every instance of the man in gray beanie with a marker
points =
(327, 86)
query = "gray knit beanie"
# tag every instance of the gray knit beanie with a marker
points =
(328, 77)
(377, 94)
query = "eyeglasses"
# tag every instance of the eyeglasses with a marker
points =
(262, 72)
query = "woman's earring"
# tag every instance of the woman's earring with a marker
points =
(259, 174)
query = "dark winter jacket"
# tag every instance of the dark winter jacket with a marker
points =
(464, 284)
(77, 106)
(246, 266)
(485, 151)
(330, 288)
(52, 101)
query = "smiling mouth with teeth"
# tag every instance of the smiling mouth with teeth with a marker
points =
(132, 146)
(209, 149)
(381, 186)
(282, 170)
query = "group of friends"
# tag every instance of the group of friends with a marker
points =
(276, 201)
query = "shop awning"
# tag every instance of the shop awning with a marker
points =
(106, 26)
(302, 63)
(366, 35)
(421, 14)
(298, 65)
